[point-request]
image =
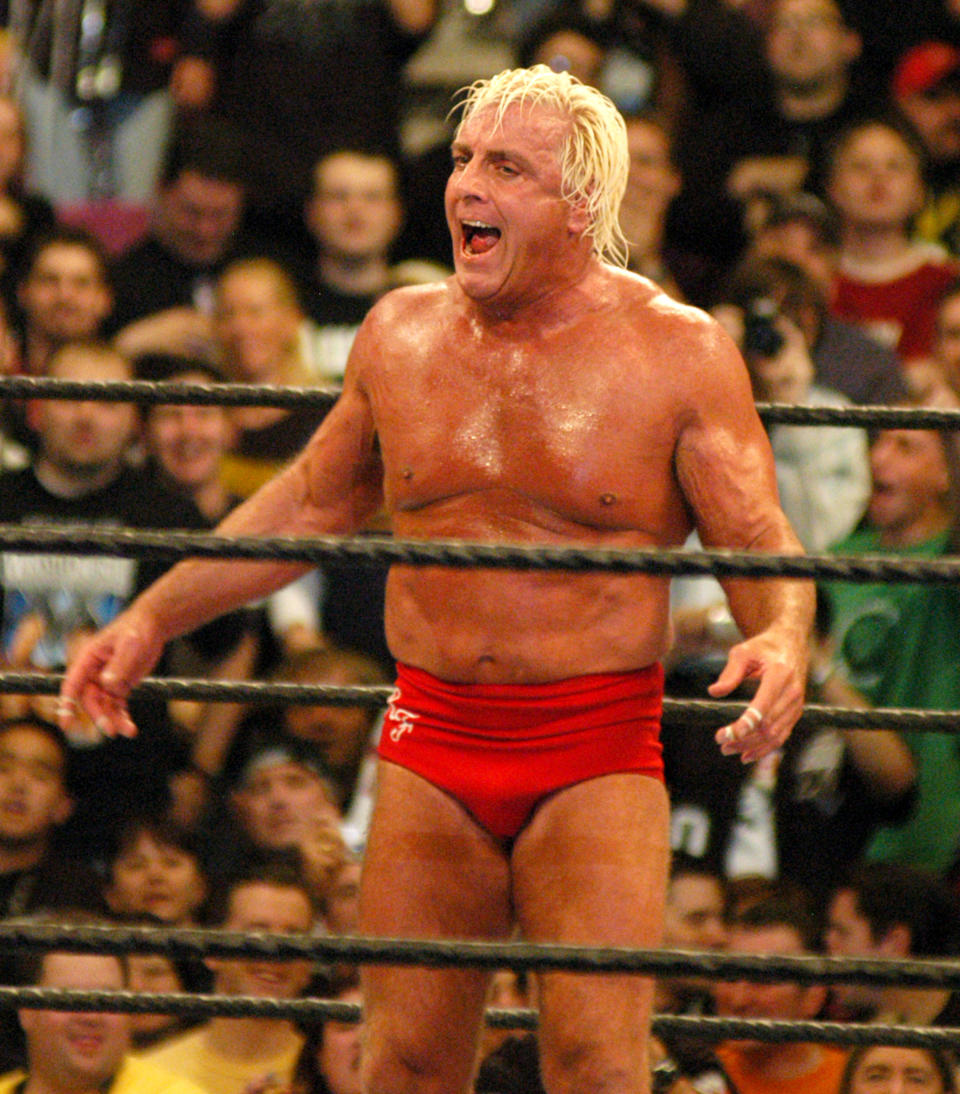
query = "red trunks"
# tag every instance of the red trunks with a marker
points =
(501, 749)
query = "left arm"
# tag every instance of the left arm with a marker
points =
(725, 469)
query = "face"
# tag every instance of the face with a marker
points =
(355, 213)
(886, 1070)
(281, 805)
(339, 734)
(808, 47)
(84, 438)
(785, 377)
(188, 442)
(515, 239)
(568, 51)
(342, 906)
(64, 295)
(256, 326)
(76, 1050)
(946, 350)
(338, 1056)
(156, 879)
(935, 115)
(745, 1000)
(653, 182)
(197, 217)
(849, 935)
(33, 799)
(270, 908)
(151, 972)
(693, 917)
(11, 141)
(910, 481)
(876, 180)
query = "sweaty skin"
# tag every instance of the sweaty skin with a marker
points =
(537, 396)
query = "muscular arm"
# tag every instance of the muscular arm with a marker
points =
(725, 468)
(331, 488)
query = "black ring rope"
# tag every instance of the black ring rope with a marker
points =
(305, 1010)
(375, 550)
(702, 712)
(191, 944)
(235, 394)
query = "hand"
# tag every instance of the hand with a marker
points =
(103, 672)
(777, 704)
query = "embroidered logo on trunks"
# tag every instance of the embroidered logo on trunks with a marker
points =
(402, 720)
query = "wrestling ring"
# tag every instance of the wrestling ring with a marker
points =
(178, 943)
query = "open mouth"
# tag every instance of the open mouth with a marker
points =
(478, 238)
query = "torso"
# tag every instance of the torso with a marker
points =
(566, 436)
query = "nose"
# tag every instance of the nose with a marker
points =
(467, 180)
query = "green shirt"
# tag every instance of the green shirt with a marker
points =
(900, 645)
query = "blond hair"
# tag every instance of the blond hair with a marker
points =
(593, 158)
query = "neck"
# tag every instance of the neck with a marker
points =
(779, 1062)
(869, 243)
(912, 1006)
(23, 856)
(365, 276)
(926, 526)
(47, 1084)
(246, 1038)
(37, 351)
(212, 500)
(804, 104)
(73, 484)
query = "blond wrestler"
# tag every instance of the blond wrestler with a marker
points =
(543, 396)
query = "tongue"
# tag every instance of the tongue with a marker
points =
(483, 239)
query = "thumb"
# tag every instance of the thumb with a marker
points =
(731, 678)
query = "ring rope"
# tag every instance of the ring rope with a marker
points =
(236, 394)
(711, 1029)
(372, 550)
(192, 944)
(709, 713)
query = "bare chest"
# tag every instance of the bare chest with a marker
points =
(569, 427)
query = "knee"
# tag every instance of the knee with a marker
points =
(594, 1068)
(401, 1065)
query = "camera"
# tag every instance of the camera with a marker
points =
(760, 334)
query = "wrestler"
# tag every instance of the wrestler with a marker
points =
(542, 396)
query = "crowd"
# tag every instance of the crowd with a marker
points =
(220, 190)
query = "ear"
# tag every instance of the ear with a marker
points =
(578, 218)
(64, 809)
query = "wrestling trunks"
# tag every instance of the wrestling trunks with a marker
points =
(501, 749)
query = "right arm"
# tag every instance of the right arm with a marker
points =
(332, 488)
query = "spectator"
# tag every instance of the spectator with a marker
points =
(305, 79)
(887, 283)
(342, 737)
(329, 1061)
(284, 802)
(65, 295)
(258, 321)
(23, 215)
(159, 975)
(340, 910)
(354, 216)
(776, 926)
(822, 471)
(926, 92)
(35, 803)
(800, 230)
(897, 644)
(157, 871)
(228, 1055)
(95, 95)
(887, 910)
(945, 360)
(80, 476)
(71, 1051)
(880, 1067)
(165, 283)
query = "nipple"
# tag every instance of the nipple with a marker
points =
(407, 473)
(607, 499)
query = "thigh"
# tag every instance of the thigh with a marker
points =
(591, 869)
(429, 871)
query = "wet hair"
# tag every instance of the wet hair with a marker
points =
(593, 156)
(941, 1059)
